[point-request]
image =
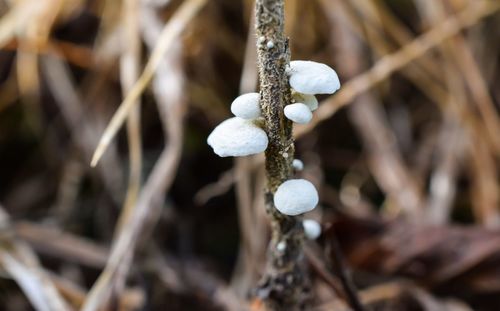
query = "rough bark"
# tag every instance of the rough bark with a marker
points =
(284, 285)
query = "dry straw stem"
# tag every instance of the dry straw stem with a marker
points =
(60, 82)
(285, 283)
(395, 61)
(20, 262)
(72, 248)
(72, 53)
(58, 244)
(169, 35)
(169, 93)
(384, 157)
(460, 53)
(129, 70)
(421, 72)
(459, 58)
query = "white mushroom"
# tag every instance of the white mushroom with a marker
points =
(246, 106)
(281, 246)
(312, 229)
(298, 113)
(297, 165)
(237, 137)
(310, 77)
(308, 100)
(295, 196)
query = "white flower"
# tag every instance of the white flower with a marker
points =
(297, 165)
(295, 196)
(310, 77)
(237, 137)
(312, 229)
(298, 113)
(308, 100)
(246, 106)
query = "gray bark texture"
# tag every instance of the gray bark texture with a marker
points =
(285, 284)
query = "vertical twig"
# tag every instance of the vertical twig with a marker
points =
(285, 284)
(333, 251)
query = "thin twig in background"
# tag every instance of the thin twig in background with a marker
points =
(83, 127)
(333, 251)
(169, 35)
(130, 66)
(384, 156)
(22, 264)
(462, 63)
(171, 104)
(395, 61)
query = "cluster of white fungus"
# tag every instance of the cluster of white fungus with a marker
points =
(308, 78)
(242, 135)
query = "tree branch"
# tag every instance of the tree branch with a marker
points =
(285, 284)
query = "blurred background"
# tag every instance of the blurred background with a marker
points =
(405, 155)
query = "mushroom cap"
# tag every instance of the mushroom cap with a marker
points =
(295, 196)
(307, 99)
(310, 77)
(246, 106)
(297, 164)
(237, 137)
(312, 229)
(298, 113)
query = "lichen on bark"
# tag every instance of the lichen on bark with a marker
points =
(285, 284)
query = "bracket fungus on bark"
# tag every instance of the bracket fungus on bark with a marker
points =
(246, 106)
(298, 113)
(308, 77)
(237, 137)
(295, 197)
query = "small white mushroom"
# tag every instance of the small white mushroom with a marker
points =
(312, 229)
(281, 246)
(246, 106)
(237, 137)
(295, 197)
(310, 77)
(270, 44)
(308, 100)
(298, 113)
(297, 165)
